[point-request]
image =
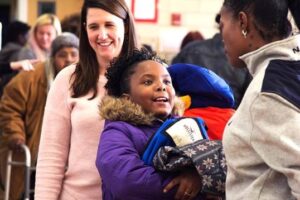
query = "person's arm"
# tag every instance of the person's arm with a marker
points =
(122, 169)
(12, 110)
(275, 136)
(55, 141)
(26, 65)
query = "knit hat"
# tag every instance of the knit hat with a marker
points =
(203, 86)
(66, 39)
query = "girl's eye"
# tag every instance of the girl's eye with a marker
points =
(167, 82)
(148, 82)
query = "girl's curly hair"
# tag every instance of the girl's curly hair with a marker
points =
(120, 70)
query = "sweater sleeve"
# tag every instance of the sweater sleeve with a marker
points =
(13, 107)
(55, 140)
(275, 137)
(122, 170)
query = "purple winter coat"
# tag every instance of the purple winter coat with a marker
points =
(124, 175)
(123, 141)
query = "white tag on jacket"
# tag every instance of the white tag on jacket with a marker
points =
(185, 131)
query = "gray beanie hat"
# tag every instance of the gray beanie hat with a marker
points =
(66, 39)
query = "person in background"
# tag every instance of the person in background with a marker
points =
(41, 35)
(140, 99)
(71, 24)
(8, 67)
(15, 37)
(22, 107)
(210, 53)
(190, 37)
(70, 132)
(262, 140)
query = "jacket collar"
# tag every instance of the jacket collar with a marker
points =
(287, 49)
(121, 109)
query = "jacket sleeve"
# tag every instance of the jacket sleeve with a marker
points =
(123, 171)
(55, 141)
(275, 136)
(13, 107)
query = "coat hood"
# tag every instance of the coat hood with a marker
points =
(121, 109)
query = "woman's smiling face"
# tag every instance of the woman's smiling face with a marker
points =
(105, 33)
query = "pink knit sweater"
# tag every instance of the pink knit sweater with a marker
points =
(70, 135)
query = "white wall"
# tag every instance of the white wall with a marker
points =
(22, 10)
(195, 15)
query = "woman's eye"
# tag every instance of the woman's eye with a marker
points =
(93, 27)
(109, 25)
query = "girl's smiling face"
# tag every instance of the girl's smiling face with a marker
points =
(151, 87)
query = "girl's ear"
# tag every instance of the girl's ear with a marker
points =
(126, 96)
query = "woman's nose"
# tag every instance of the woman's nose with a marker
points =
(102, 33)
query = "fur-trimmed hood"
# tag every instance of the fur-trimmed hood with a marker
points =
(121, 109)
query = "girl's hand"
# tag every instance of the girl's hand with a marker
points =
(189, 184)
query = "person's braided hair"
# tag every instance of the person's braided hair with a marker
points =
(120, 70)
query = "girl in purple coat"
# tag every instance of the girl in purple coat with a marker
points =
(140, 98)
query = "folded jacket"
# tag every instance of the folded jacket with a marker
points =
(175, 132)
(205, 155)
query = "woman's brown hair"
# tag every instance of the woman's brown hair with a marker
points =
(86, 74)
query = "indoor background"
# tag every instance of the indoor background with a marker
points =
(161, 23)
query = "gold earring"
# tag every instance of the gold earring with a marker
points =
(244, 33)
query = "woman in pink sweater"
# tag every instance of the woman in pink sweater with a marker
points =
(70, 133)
